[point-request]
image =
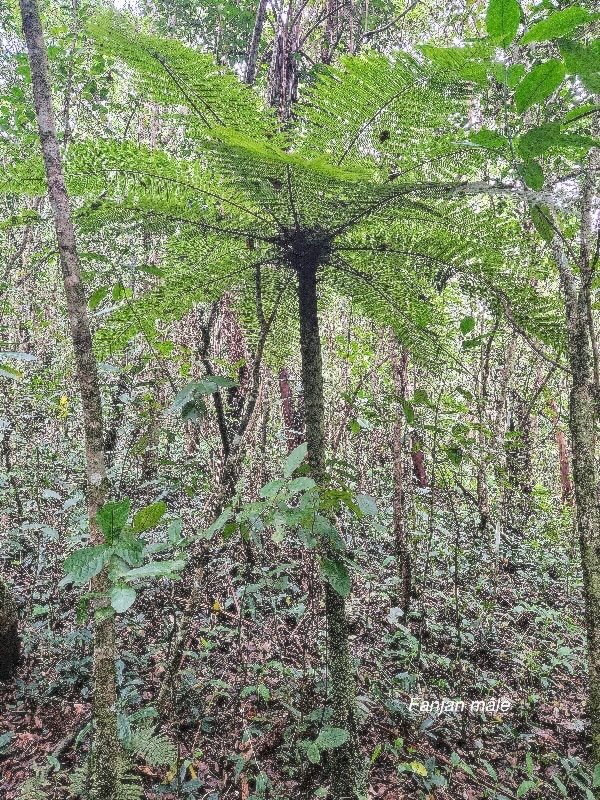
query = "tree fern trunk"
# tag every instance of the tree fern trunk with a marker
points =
(106, 747)
(347, 772)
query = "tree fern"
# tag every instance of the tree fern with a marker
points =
(360, 181)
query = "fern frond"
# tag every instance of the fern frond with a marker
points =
(154, 748)
(174, 75)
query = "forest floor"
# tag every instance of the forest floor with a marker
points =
(251, 691)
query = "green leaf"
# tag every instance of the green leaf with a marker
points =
(558, 24)
(539, 84)
(122, 598)
(149, 516)
(581, 59)
(7, 371)
(533, 175)
(218, 524)
(82, 565)
(272, 488)
(112, 518)
(367, 504)
(409, 412)
(97, 297)
(538, 140)
(155, 569)
(467, 324)
(337, 575)
(580, 111)
(295, 458)
(454, 454)
(129, 548)
(313, 753)
(539, 217)
(502, 20)
(329, 738)
(596, 776)
(301, 484)
(525, 787)
(16, 355)
(489, 139)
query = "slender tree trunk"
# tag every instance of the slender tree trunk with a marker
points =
(582, 424)
(399, 368)
(418, 461)
(564, 458)
(291, 423)
(106, 746)
(283, 71)
(252, 57)
(9, 634)
(347, 772)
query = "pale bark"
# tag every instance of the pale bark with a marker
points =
(252, 57)
(583, 418)
(564, 457)
(106, 747)
(401, 534)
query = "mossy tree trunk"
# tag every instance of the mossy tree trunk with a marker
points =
(104, 776)
(346, 764)
(582, 425)
(9, 634)
(576, 285)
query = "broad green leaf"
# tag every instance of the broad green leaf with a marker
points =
(301, 484)
(295, 458)
(329, 738)
(467, 324)
(454, 454)
(112, 518)
(489, 139)
(122, 598)
(502, 20)
(313, 753)
(97, 297)
(337, 575)
(580, 111)
(129, 548)
(533, 175)
(272, 488)
(174, 531)
(367, 504)
(155, 569)
(409, 412)
(583, 60)
(539, 84)
(558, 24)
(7, 371)
(149, 516)
(84, 564)
(538, 140)
(218, 524)
(539, 217)
(596, 776)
